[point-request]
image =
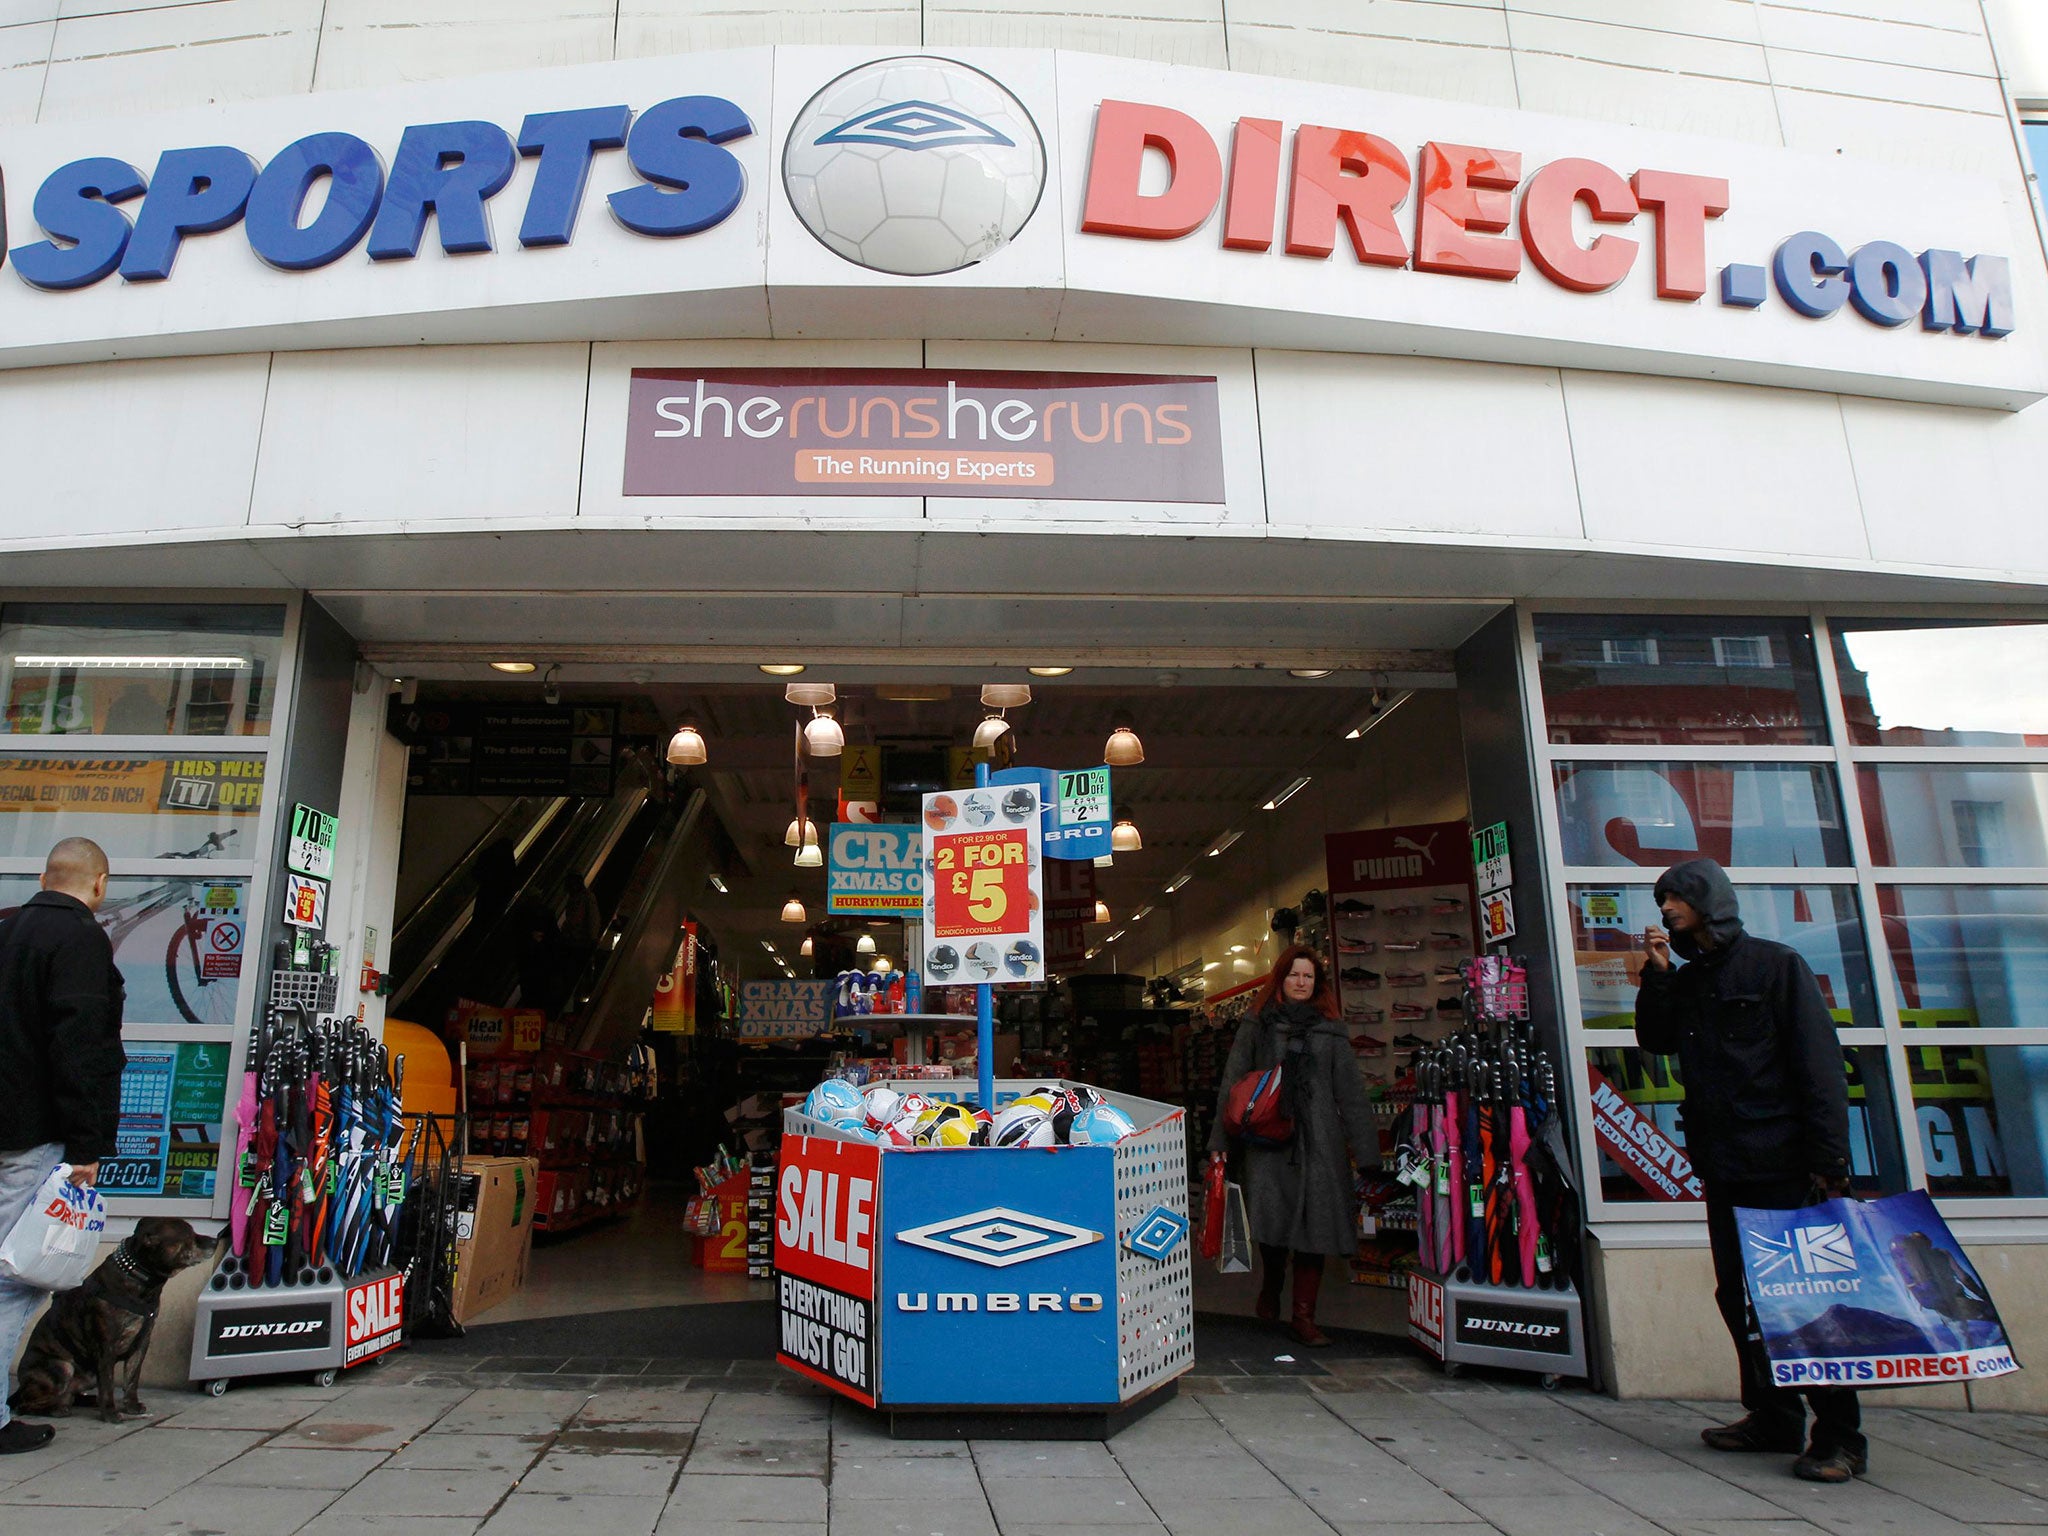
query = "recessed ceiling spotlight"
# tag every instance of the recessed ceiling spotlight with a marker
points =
(781, 668)
(1048, 671)
(519, 667)
(1309, 674)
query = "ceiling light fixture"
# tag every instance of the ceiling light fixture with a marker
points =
(780, 668)
(1124, 836)
(1223, 843)
(807, 948)
(990, 731)
(823, 736)
(1123, 749)
(1048, 671)
(519, 667)
(1114, 936)
(801, 830)
(686, 748)
(1005, 695)
(137, 663)
(1177, 882)
(864, 945)
(1377, 710)
(718, 884)
(1141, 914)
(1285, 795)
(810, 693)
(810, 855)
(792, 912)
(1309, 674)
(882, 963)
(1102, 911)
(768, 945)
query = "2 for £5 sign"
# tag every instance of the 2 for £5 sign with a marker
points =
(984, 885)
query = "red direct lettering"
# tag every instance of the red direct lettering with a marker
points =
(1466, 203)
(1682, 205)
(1124, 130)
(1547, 231)
(1250, 207)
(1357, 177)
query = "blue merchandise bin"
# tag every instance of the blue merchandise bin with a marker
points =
(980, 1279)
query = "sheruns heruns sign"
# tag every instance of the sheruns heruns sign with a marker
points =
(881, 432)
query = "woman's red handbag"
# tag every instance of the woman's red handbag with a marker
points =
(1212, 1210)
(1257, 1109)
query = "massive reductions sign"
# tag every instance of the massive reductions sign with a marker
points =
(1016, 194)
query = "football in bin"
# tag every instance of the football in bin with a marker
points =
(1049, 1116)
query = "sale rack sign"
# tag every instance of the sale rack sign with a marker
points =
(985, 885)
(896, 432)
(827, 1221)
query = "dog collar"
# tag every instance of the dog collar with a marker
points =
(124, 1261)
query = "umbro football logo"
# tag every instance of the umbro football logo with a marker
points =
(999, 1237)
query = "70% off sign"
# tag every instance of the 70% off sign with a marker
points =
(984, 886)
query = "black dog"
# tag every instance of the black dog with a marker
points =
(104, 1324)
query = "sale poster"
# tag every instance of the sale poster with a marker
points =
(984, 904)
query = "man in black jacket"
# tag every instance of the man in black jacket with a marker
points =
(1766, 1124)
(60, 1063)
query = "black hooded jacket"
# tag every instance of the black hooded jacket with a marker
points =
(60, 1030)
(1765, 1092)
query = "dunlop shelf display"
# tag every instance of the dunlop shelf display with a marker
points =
(920, 1280)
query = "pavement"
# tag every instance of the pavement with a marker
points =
(1369, 1447)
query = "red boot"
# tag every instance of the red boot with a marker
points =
(1272, 1270)
(1308, 1279)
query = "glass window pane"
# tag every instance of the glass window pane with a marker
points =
(1966, 956)
(1649, 815)
(1631, 678)
(1639, 1124)
(1986, 816)
(177, 941)
(173, 1100)
(138, 670)
(150, 805)
(1821, 922)
(1920, 682)
(1983, 1116)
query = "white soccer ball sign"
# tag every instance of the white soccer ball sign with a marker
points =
(914, 166)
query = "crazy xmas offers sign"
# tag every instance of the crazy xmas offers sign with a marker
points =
(984, 885)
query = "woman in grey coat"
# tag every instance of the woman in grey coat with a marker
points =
(1301, 1197)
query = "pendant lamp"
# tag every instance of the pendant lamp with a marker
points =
(865, 945)
(1123, 836)
(799, 830)
(989, 732)
(807, 948)
(686, 747)
(1005, 695)
(1123, 749)
(1102, 911)
(881, 962)
(812, 694)
(810, 855)
(793, 909)
(822, 735)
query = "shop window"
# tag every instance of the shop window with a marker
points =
(1610, 678)
(71, 669)
(1638, 1119)
(151, 805)
(1981, 1113)
(178, 941)
(1982, 816)
(1968, 956)
(1916, 683)
(1649, 815)
(1821, 922)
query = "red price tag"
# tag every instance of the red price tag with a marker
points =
(981, 884)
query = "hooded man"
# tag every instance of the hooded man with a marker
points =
(1766, 1124)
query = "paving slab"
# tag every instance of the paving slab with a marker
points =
(915, 1479)
(268, 1466)
(423, 1492)
(254, 1406)
(715, 1501)
(1045, 1458)
(134, 1471)
(571, 1472)
(58, 1521)
(1048, 1501)
(511, 1411)
(1572, 1515)
(336, 1521)
(207, 1510)
(381, 1417)
(933, 1517)
(553, 1514)
(665, 1403)
(1257, 1517)
(1225, 1478)
(457, 1452)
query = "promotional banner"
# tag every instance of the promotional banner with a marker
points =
(1633, 1140)
(827, 1222)
(784, 1010)
(1876, 1294)
(167, 1140)
(985, 892)
(178, 942)
(675, 990)
(873, 869)
(883, 431)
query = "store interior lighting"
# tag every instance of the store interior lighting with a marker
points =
(718, 884)
(1124, 836)
(1377, 710)
(768, 944)
(1101, 911)
(1285, 795)
(517, 668)
(792, 911)
(810, 855)
(1177, 882)
(1222, 844)
(686, 748)
(881, 963)
(781, 668)
(822, 735)
(801, 830)
(1141, 914)
(1005, 695)
(1309, 674)
(807, 948)
(810, 694)
(989, 732)
(864, 945)
(137, 663)
(1049, 671)
(1123, 749)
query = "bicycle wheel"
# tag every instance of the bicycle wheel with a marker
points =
(199, 998)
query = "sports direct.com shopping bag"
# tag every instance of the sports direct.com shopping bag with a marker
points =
(1869, 1294)
(51, 1247)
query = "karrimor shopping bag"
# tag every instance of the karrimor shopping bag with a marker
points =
(1869, 1294)
(52, 1246)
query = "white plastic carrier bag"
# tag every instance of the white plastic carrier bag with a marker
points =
(51, 1247)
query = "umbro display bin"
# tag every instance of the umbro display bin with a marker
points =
(986, 1281)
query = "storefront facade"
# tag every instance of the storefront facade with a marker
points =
(1584, 366)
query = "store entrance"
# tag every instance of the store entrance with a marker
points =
(621, 907)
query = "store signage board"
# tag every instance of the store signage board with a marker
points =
(1492, 868)
(1039, 436)
(874, 869)
(827, 1226)
(1602, 909)
(167, 1138)
(985, 892)
(653, 194)
(1496, 917)
(784, 1010)
(477, 749)
(310, 848)
(305, 903)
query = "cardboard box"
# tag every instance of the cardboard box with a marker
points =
(495, 1206)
